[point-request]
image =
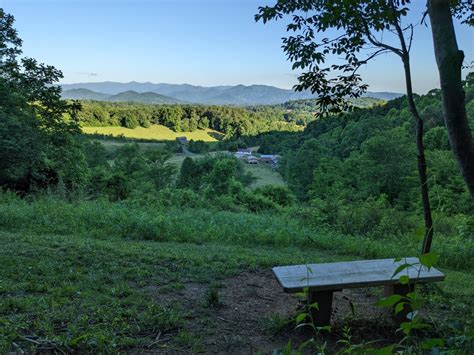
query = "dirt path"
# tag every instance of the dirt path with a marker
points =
(252, 309)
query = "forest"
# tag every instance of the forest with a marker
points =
(121, 245)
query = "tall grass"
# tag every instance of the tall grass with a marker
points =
(104, 219)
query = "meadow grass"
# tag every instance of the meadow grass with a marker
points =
(264, 175)
(95, 275)
(156, 132)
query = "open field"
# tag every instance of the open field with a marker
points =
(96, 276)
(157, 132)
(262, 172)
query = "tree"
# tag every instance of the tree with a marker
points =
(38, 146)
(450, 60)
(189, 175)
(159, 170)
(360, 31)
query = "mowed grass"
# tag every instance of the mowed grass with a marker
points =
(157, 132)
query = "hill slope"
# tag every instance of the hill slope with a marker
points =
(127, 96)
(83, 94)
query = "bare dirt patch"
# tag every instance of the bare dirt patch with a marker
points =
(252, 308)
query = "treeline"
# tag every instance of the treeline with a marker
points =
(232, 121)
(358, 171)
(311, 105)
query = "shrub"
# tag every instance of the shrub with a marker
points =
(256, 203)
(180, 198)
(281, 195)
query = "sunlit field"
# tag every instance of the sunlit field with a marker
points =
(157, 132)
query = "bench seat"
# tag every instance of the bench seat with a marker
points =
(325, 278)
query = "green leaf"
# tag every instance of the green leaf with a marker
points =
(404, 279)
(389, 301)
(429, 259)
(401, 268)
(406, 327)
(325, 328)
(351, 304)
(387, 350)
(314, 305)
(431, 343)
(399, 307)
(300, 317)
(420, 233)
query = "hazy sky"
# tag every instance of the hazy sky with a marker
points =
(200, 42)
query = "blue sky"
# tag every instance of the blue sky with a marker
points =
(200, 42)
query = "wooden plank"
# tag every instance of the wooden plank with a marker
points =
(352, 274)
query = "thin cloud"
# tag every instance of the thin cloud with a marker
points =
(89, 74)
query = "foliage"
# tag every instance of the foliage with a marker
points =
(231, 121)
(38, 147)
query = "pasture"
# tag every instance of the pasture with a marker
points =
(155, 132)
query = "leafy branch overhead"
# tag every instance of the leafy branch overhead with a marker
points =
(353, 32)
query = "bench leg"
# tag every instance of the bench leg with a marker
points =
(322, 315)
(401, 290)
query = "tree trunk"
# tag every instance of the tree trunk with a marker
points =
(449, 59)
(421, 157)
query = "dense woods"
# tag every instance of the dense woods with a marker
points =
(358, 170)
(232, 121)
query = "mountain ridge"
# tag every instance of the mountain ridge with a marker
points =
(239, 95)
(126, 96)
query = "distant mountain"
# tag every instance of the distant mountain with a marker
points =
(144, 97)
(216, 95)
(382, 95)
(127, 96)
(83, 94)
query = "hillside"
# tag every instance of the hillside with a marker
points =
(145, 97)
(310, 105)
(84, 94)
(240, 95)
(127, 96)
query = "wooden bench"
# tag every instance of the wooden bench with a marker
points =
(324, 279)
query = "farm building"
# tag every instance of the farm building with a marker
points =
(268, 158)
(243, 153)
(251, 160)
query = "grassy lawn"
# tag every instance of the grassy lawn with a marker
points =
(75, 292)
(264, 174)
(107, 277)
(113, 145)
(157, 132)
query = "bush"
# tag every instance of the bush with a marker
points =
(281, 195)
(129, 121)
(180, 198)
(198, 147)
(256, 203)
